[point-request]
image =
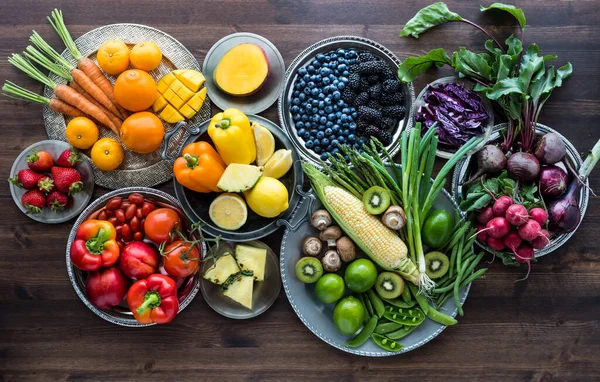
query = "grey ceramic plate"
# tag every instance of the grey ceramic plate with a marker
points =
(266, 95)
(318, 316)
(79, 200)
(461, 173)
(264, 294)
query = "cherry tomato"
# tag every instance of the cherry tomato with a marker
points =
(159, 223)
(180, 259)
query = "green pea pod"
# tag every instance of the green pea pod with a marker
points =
(412, 317)
(400, 303)
(362, 301)
(441, 318)
(368, 305)
(364, 334)
(387, 327)
(400, 333)
(406, 295)
(421, 300)
(376, 302)
(386, 343)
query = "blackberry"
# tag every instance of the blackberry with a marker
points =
(361, 99)
(375, 91)
(391, 86)
(369, 114)
(364, 84)
(372, 67)
(372, 131)
(388, 123)
(384, 137)
(348, 95)
(373, 79)
(362, 126)
(365, 57)
(389, 74)
(395, 111)
(391, 98)
(354, 81)
(373, 104)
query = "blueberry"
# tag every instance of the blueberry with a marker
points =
(321, 96)
(323, 156)
(345, 74)
(341, 104)
(297, 86)
(317, 142)
(296, 117)
(352, 126)
(323, 120)
(335, 150)
(294, 109)
(325, 141)
(327, 101)
(301, 71)
(342, 67)
(344, 118)
(300, 126)
(317, 149)
(338, 114)
(333, 56)
(334, 142)
(326, 81)
(337, 95)
(329, 148)
(302, 96)
(328, 109)
(304, 118)
(335, 82)
(352, 61)
(349, 119)
(322, 128)
(325, 71)
(316, 64)
(335, 107)
(351, 137)
(313, 133)
(345, 132)
(314, 92)
(332, 78)
(354, 115)
(311, 85)
(310, 69)
(309, 144)
(362, 141)
(321, 112)
(306, 90)
(328, 131)
(320, 56)
(320, 135)
(308, 107)
(341, 139)
(344, 79)
(296, 93)
(296, 101)
(336, 129)
(341, 86)
(326, 89)
(315, 118)
(306, 135)
(306, 78)
(315, 110)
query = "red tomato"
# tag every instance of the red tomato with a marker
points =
(180, 259)
(159, 223)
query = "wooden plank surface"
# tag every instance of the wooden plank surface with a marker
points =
(544, 329)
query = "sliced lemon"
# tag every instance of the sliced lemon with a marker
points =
(279, 164)
(228, 211)
(265, 143)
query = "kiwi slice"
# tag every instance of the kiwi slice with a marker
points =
(389, 285)
(309, 270)
(376, 200)
(436, 264)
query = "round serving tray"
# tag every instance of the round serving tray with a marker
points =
(323, 46)
(137, 169)
(461, 175)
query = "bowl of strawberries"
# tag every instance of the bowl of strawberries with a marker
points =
(51, 182)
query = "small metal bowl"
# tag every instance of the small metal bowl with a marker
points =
(324, 46)
(486, 103)
(462, 172)
(121, 315)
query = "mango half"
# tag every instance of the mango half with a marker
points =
(242, 70)
(179, 95)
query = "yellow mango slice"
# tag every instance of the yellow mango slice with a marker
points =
(242, 70)
(159, 104)
(197, 100)
(187, 111)
(170, 115)
(179, 96)
(192, 79)
(164, 82)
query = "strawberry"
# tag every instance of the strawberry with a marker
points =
(67, 180)
(46, 184)
(26, 179)
(33, 201)
(57, 201)
(68, 158)
(40, 161)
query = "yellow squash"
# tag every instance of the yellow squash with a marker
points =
(179, 95)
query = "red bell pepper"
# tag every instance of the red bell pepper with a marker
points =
(95, 245)
(154, 299)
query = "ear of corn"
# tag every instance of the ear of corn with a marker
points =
(381, 244)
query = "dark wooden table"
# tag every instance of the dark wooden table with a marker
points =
(543, 329)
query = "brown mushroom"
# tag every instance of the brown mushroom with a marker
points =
(330, 235)
(331, 261)
(346, 249)
(394, 218)
(312, 246)
(321, 219)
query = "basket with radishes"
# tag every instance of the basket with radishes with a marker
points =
(525, 204)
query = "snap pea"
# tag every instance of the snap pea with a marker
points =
(386, 343)
(368, 305)
(441, 318)
(412, 317)
(406, 295)
(387, 327)
(421, 300)
(364, 334)
(401, 333)
(397, 302)
(378, 306)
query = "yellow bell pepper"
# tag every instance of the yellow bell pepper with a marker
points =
(232, 135)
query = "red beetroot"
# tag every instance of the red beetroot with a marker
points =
(501, 205)
(496, 244)
(138, 260)
(512, 240)
(485, 215)
(106, 287)
(482, 235)
(530, 230)
(497, 227)
(542, 240)
(517, 215)
(524, 255)
(539, 215)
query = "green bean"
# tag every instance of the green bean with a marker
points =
(459, 253)
(456, 286)
(386, 343)
(368, 305)
(473, 277)
(364, 334)
(387, 327)
(452, 262)
(471, 267)
(400, 333)
(400, 303)
(443, 299)
(376, 302)
(412, 317)
(456, 236)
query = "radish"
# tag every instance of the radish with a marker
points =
(517, 215)
(485, 215)
(539, 215)
(512, 240)
(524, 255)
(495, 244)
(542, 240)
(501, 205)
(482, 236)
(530, 230)
(497, 227)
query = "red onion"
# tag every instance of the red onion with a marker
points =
(553, 181)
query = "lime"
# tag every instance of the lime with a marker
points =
(437, 229)
(360, 275)
(348, 315)
(330, 288)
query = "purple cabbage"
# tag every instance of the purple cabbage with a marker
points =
(458, 111)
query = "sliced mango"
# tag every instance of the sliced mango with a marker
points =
(242, 70)
(180, 96)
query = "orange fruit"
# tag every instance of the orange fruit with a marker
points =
(113, 57)
(146, 56)
(107, 154)
(142, 132)
(82, 133)
(135, 90)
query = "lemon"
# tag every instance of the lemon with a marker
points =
(279, 164)
(268, 198)
(228, 211)
(265, 143)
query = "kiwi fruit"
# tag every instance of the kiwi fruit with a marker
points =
(376, 200)
(389, 285)
(309, 270)
(436, 264)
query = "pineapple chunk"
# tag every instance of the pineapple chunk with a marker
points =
(224, 267)
(179, 90)
(251, 259)
(171, 115)
(239, 288)
(159, 104)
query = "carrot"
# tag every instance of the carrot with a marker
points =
(85, 64)
(113, 118)
(15, 91)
